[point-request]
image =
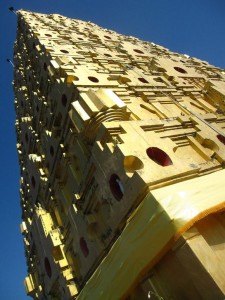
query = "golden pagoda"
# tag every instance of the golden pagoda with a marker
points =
(121, 145)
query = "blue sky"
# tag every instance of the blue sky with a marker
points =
(196, 28)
